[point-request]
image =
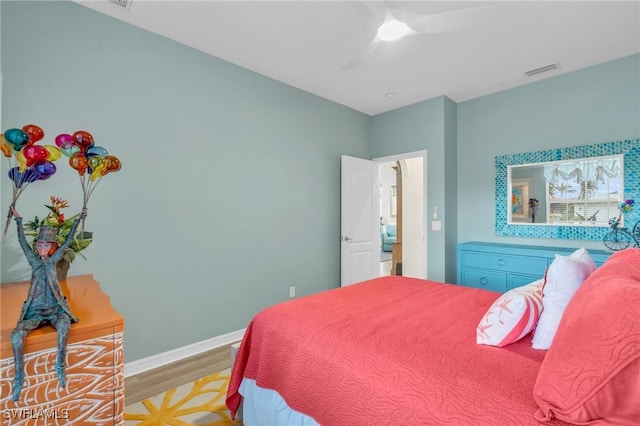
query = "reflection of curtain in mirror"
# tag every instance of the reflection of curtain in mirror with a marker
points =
(591, 170)
(608, 168)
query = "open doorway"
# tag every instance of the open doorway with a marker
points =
(388, 213)
(403, 196)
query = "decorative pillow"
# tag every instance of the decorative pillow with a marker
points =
(512, 316)
(591, 373)
(561, 281)
(583, 256)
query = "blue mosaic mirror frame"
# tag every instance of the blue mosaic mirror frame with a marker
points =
(631, 151)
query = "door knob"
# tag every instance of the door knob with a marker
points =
(346, 239)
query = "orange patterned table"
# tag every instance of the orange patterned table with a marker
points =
(94, 394)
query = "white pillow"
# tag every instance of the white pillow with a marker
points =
(512, 316)
(583, 255)
(564, 276)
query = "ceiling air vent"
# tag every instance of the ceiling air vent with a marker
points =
(542, 69)
(125, 4)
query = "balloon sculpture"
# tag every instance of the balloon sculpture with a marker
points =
(45, 302)
(28, 161)
(92, 162)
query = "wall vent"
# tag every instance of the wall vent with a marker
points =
(542, 69)
(125, 4)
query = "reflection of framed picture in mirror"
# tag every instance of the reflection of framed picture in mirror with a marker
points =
(393, 201)
(520, 199)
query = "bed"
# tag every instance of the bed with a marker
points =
(402, 351)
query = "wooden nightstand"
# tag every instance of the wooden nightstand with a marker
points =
(95, 361)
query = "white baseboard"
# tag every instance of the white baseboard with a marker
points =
(154, 361)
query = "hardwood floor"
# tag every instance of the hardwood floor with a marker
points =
(161, 379)
(385, 268)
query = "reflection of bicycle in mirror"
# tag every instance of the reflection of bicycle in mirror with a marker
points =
(620, 238)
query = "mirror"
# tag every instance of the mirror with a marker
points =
(579, 209)
(580, 192)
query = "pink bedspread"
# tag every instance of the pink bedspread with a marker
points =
(392, 350)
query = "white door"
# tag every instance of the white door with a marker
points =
(360, 220)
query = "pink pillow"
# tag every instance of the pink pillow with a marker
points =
(563, 278)
(512, 316)
(591, 373)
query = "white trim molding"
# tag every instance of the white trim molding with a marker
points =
(154, 361)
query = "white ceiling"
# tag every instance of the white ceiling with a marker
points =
(321, 46)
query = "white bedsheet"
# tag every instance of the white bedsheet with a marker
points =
(265, 407)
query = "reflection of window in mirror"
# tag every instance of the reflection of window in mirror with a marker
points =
(585, 191)
(572, 192)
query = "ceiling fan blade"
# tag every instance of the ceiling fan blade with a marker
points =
(418, 23)
(450, 21)
(362, 55)
(375, 7)
(393, 9)
(379, 13)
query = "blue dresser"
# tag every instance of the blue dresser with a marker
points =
(501, 267)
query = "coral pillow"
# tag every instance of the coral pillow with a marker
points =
(591, 374)
(512, 316)
(563, 278)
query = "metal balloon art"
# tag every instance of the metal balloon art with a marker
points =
(92, 162)
(30, 162)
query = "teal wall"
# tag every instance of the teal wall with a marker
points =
(230, 187)
(592, 105)
(426, 125)
(450, 189)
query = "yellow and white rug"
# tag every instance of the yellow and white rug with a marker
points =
(201, 402)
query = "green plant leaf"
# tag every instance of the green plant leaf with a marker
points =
(86, 235)
(34, 224)
(78, 245)
(52, 210)
(68, 223)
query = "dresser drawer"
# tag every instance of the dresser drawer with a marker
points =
(504, 262)
(501, 267)
(520, 280)
(489, 280)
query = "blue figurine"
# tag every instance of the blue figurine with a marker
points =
(45, 302)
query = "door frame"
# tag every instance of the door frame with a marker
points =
(404, 156)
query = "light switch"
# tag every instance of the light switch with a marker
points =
(436, 225)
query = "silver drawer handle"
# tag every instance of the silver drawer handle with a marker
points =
(501, 262)
(484, 281)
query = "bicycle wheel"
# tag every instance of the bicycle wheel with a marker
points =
(617, 240)
(636, 234)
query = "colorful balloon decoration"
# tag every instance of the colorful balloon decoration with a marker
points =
(28, 161)
(5, 147)
(35, 133)
(17, 138)
(90, 161)
(63, 140)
